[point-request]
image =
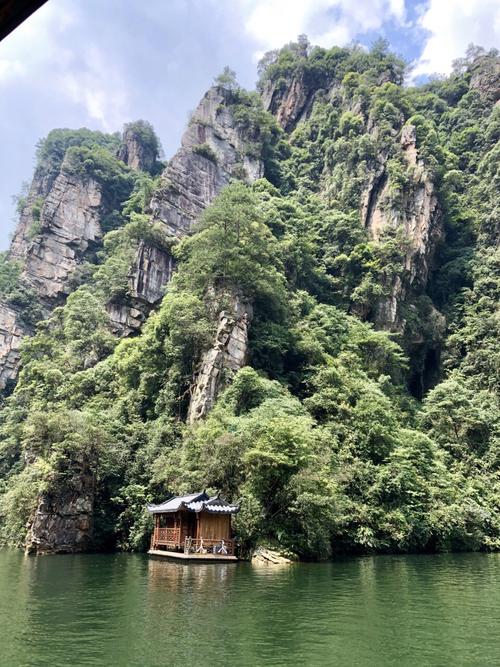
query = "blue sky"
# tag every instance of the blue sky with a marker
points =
(101, 63)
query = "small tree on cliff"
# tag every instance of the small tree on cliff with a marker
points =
(227, 80)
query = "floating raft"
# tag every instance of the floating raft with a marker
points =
(180, 555)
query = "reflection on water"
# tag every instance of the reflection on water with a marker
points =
(125, 610)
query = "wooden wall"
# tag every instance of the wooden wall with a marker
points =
(215, 526)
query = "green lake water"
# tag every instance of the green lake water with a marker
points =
(122, 609)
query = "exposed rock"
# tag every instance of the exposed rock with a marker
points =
(135, 153)
(125, 318)
(219, 364)
(69, 223)
(12, 331)
(63, 520)
(417, 214)
(485, 77)
(151, 271)
(263, 556)
(289, 105)
(40, 187)
(213, 150)
(68, 226)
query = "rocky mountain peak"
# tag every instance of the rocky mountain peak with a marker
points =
(139, 149)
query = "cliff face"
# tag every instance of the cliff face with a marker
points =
(417, 215)
(60, 226)
(150, 272)
(213, 151)
(291, 104)
(63, 519)
(137, 154)
(69, 226)
(49, 247)
(228, 354)
(12, 331)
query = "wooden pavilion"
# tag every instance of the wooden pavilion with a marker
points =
(193, 527)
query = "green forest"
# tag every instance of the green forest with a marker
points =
(344, 432)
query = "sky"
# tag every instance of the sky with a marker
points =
(102, 63)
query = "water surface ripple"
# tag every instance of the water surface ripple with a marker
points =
(129, 610)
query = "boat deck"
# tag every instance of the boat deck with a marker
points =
(180, 555)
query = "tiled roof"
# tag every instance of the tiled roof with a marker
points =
(175, 503)
(215, 504)
(195, 502)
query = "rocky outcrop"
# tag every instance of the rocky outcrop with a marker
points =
(263, 556)
(289, 105)
(69, 225)
(417, 213)
(213, 151)
(63, 519)
(150, 272)
(219, 364)
(49, 246)
(485, 77)
(136, 153)
(12, 331)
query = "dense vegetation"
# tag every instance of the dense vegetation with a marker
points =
(337, 437)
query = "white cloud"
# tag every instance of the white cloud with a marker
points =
(452, 25)
(100, 87)
(47, 50)
(272, 23)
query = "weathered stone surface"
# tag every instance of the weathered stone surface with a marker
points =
(219, 364)
(135, 153)
(290, 105)
(63, 520)
(12, 331)
(124, 318)
(191, 180)
(419, 216)
(151, 271)
(40, 187)
(263, 556)
(68, 225)
(70, 222)
(485, 77)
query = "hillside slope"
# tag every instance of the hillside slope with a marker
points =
(300, 311)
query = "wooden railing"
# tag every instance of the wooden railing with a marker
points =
(169, 536)
(218, 547)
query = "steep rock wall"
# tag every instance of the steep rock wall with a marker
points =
(291, 104)
(63, 519)
(213, 151)
(68, 225)
(150, 272)
(219, 364)
(419, 217)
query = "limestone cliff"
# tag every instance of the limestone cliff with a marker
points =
(60, 226)
(50, 247)
(138, 154)
(228, 354)
(213, 151)
(417, 215)
(289, 105)
(63, 519)
(150, 272)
